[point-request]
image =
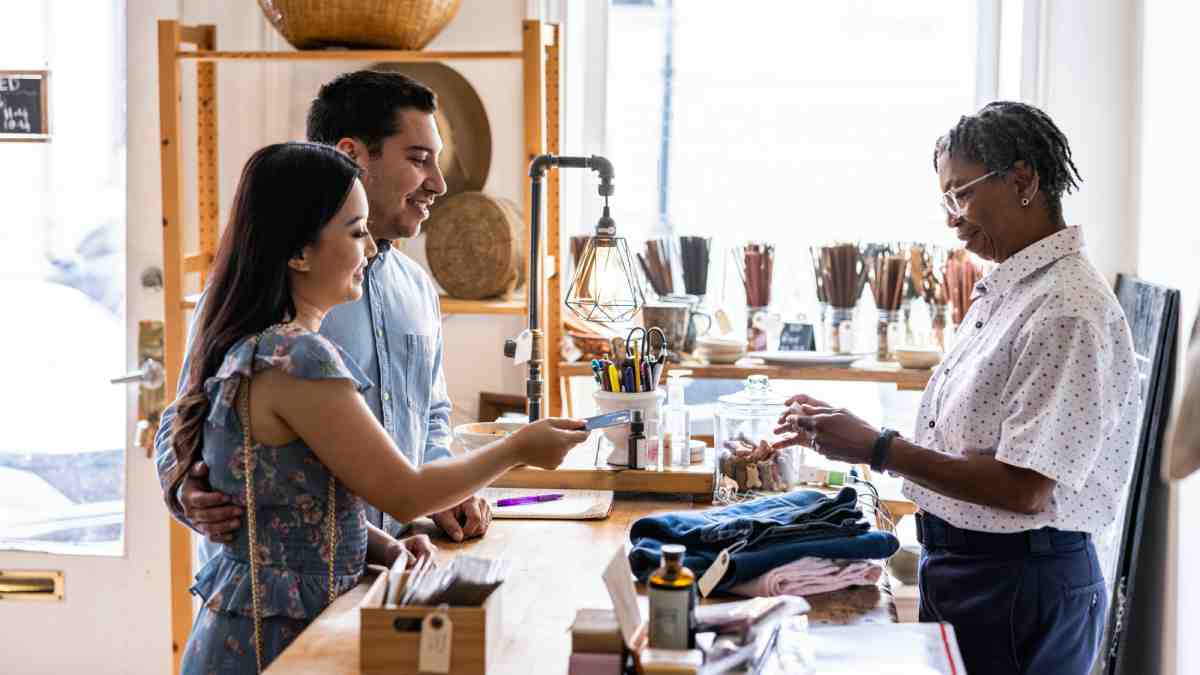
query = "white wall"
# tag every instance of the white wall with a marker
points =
(1169, 248)
(1089, 76)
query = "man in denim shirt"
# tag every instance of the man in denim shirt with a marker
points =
(385, 122)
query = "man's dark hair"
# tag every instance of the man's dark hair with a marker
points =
(363, 105)
(1004, 132)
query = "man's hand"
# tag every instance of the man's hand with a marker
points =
(211, 513)
(469, 519)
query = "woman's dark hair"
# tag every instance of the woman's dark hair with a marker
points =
(1004, 132)
(363, 105)
(286, 195)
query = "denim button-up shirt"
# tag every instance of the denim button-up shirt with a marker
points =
(394, 333)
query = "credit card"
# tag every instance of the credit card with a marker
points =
(611, 419)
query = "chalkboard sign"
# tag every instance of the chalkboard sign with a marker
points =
(797, 337)
(24, 113)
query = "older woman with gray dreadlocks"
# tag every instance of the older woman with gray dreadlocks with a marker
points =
(1026, 432)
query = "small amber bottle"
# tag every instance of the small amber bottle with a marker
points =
(672, 602)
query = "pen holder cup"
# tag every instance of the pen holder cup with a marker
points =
(649, 402)
(390, 638)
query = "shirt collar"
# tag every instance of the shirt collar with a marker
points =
(1030, 259)
(384, 246)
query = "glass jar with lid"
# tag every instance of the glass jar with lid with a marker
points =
(749, 417)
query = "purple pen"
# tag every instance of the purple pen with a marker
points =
(531, 499)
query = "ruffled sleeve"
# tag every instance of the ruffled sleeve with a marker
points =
(296, 351)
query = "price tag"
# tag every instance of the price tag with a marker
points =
(524, 347)
(436, 634)
(723, 323)
(714, 574)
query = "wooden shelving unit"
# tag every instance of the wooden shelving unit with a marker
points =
(179, 44)
(904, 379)
(516, 306)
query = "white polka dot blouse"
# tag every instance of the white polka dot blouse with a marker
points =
(1043, 376)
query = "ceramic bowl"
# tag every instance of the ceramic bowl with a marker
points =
(917, 358)
(478, 434)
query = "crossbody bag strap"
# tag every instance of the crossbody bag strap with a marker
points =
(251, 511)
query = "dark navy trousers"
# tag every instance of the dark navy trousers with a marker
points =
(1029, 602)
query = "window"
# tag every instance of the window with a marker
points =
(795, 123)
(62, 286)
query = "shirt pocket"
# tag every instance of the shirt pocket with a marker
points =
(418, 372)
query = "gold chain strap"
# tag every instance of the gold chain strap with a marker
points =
(252, 521)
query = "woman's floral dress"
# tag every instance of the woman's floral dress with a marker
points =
(291, 488)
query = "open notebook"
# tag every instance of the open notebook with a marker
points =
(575, 504)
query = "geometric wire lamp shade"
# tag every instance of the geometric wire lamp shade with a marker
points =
(605, 289)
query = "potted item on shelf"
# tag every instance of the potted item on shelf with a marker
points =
(888, 266)
(395, 24)
(926, 272)
(693, 259)
(757, 266)
(842, 274)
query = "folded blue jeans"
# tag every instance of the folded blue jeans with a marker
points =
(764, 534)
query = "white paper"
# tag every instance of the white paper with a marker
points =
(575, 504)
(618, 579)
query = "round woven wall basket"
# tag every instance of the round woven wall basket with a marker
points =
(475, 246)
(388, 24)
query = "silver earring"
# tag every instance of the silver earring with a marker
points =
(1025, 202)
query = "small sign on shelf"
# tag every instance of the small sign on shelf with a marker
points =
(24, 105)
(797, 337)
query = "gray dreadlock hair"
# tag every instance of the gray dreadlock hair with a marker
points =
(1005, 132)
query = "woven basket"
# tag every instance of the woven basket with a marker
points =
(389, 24)
(475, 245)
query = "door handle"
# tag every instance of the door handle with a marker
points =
(150, 376)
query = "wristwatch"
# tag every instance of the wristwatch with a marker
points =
(882, 445)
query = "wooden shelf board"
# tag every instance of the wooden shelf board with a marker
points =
(515, 306)
(905, 380)
(391, 55)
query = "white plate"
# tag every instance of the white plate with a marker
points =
(807, 358)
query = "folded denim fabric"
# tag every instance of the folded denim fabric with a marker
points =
(768, 532)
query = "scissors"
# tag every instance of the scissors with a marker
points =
(640, 342)
(645, 343)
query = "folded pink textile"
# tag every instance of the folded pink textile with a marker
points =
(808, 576)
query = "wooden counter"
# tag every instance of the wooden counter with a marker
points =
(556, 570)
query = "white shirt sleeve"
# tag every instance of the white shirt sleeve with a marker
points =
(1058, 407)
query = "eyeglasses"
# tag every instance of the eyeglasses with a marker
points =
(950, 197)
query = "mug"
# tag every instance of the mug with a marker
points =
(693, 332)
(672, 319)
(678, 323)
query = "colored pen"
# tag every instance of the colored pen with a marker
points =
(637, 366)
(532, 499)
(612, 375)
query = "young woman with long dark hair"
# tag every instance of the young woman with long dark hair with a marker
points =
(297, 245)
